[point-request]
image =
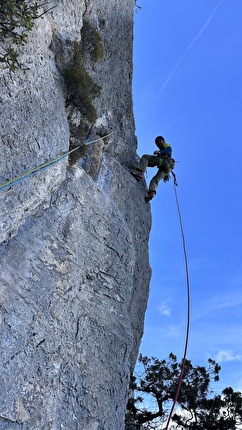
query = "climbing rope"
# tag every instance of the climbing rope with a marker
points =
(44, 166)
(125, 143)
(50, 163)
(188, 307)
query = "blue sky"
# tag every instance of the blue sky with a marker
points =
(187, 86)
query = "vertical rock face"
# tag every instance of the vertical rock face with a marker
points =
(74, 238)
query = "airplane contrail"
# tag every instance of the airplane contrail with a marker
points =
(199, 34)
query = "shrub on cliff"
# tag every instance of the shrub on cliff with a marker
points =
(92, 41)
(16, 20)
(80, 86)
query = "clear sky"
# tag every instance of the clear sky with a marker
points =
(187, 87)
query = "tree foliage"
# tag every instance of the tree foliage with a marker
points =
(80, 85)
(16, 20)
(198, 408)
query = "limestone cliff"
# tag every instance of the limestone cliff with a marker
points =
(74, 238)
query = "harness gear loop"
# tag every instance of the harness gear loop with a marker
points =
(167, 158)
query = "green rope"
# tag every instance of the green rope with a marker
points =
(44, 166)
(124, 143)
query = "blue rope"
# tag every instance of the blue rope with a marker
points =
(45, 166)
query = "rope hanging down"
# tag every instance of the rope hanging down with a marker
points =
(44, 166)
(188, 308)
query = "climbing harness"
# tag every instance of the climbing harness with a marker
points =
(44, 166)
(188, 306)
(50, 163)
(167, 158)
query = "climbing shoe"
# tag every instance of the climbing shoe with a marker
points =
(166, 178)
(150, 195)
(138, 174)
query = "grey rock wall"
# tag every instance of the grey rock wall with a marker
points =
(74, 273)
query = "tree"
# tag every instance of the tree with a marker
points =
(198, 409)
(222, 412)
(16, 20)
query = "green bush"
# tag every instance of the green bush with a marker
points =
(92, 42)
(80, 86)
(72, 57)
(16, 20)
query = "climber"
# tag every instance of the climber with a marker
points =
(161, 159)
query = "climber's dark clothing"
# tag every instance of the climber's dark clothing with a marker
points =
(160, 160)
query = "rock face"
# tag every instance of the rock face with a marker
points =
(75, 273)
